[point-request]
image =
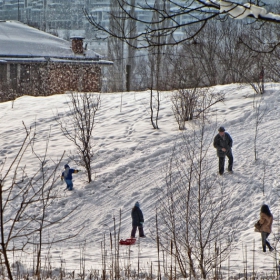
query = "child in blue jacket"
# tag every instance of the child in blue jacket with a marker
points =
(67, 176)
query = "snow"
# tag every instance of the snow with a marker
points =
(238, 11)
(241, 11)
(130, 157)
(18, 39)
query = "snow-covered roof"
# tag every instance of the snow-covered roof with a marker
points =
(4, 60)
(18, 40)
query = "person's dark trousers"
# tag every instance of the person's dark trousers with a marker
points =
(230, 161)
(69, 184)
(222, 163)
(264, 241)
(133, 232)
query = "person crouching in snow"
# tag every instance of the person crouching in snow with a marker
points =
(137, 220)
(67, 176)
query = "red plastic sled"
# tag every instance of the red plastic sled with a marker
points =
(128, 241)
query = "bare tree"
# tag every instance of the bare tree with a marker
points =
(193, 103)
(194, 208)
(78, 127)
(195, 227)
(116, 48)
(221, 49)
(47, 193)
(259, 115)
(25, 200)
(130, 67)
(183, 107)
(154, 99)
(195, 13)
(235, 58)
(215, 56)
(271, 65)
(156, 60)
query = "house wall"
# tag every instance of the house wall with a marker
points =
(47, 79)
(74, 77)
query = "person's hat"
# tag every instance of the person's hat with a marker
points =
(137, 204)
(221, 129)
(66, 166)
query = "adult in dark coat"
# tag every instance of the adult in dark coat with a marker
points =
(137, 220)
(223, 144)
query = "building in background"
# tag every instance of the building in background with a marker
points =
(37, 63)
(49, 15)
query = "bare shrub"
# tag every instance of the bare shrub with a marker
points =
(25, 202)
(193, 103)
(195, 227)
(78, 127)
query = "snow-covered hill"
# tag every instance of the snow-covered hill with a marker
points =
(130, 157)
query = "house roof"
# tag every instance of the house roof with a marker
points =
(20, 41)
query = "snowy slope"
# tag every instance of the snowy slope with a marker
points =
(129, 162)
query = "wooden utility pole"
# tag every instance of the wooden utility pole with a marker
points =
(262, 80)
(128, 76)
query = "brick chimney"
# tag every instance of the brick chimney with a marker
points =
(77, 44)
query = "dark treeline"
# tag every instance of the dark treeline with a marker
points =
(232, 51)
